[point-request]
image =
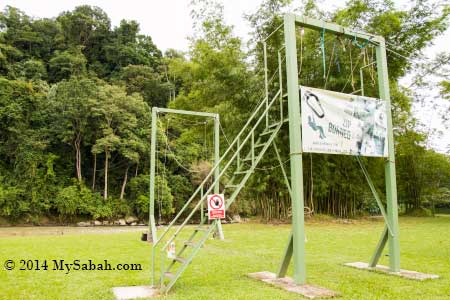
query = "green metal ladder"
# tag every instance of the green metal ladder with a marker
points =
(263, 126)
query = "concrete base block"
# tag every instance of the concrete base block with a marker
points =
(134, 292)
(307, 290)
(403, 273)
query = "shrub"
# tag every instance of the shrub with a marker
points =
(76, 200)
(420, 212)
(13, 204)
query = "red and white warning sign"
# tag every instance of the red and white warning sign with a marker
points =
(216, 206)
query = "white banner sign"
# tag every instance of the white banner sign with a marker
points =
(343, 124)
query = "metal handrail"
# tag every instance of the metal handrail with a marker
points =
(212, 171)
(231, 160)
(260, 105)
(222, 171)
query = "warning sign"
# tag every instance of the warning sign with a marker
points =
(216, 206)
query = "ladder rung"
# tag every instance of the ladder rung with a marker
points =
(180, 259)
(274, 125)
(200, 228)
(190, 244)
(169, 275)
(247, 159)
(241, 172)
(266, 132)
(231, 186)
(260, 145)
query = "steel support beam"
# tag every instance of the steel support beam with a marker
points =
(375, 194)
(391, 184)
(379, 249)
(185, 112)
(286, 257)
(295, 141)
(337, 30)
(217, 170)
(286, 179)
(151, 222)
(288, 251)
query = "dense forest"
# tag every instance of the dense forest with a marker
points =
(76, 97)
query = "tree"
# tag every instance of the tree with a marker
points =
(118, 115)
(143, 80)
(30, 69)
(66, 64)
(70, 104)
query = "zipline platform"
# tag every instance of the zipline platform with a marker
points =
(384, 269)
(306, 290)
(135, 292)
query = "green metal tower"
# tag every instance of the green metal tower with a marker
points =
(296, 244)
(240, 159)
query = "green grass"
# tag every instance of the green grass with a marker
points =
(219, 271)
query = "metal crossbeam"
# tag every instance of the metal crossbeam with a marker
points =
(336, 29)
(186, 112)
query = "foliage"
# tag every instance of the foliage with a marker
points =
(75, 98)
(77, 200)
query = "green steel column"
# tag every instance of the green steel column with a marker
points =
(217, 170)
(295, 141)
(266, 84)
(286, 259)
(391, 184)
(151, 221)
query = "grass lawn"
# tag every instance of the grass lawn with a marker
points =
(219, 271)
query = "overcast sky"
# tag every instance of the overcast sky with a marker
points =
(169, 24)
(166, 21)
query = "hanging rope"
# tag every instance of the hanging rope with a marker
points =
(372, 68)
(352, 69)
(302, 32)
(329, 65)
(173, 155)
(322, 46)
(164, 168)
(336, 60)
(357, 44)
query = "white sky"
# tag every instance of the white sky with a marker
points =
(169, 24)
(166, 21)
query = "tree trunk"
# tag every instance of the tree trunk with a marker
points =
(122, 190)
(105, 193)
(95, 171)
(77, 145)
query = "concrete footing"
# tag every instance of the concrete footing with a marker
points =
(403, 273)
(307, 290)
(135, 292)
